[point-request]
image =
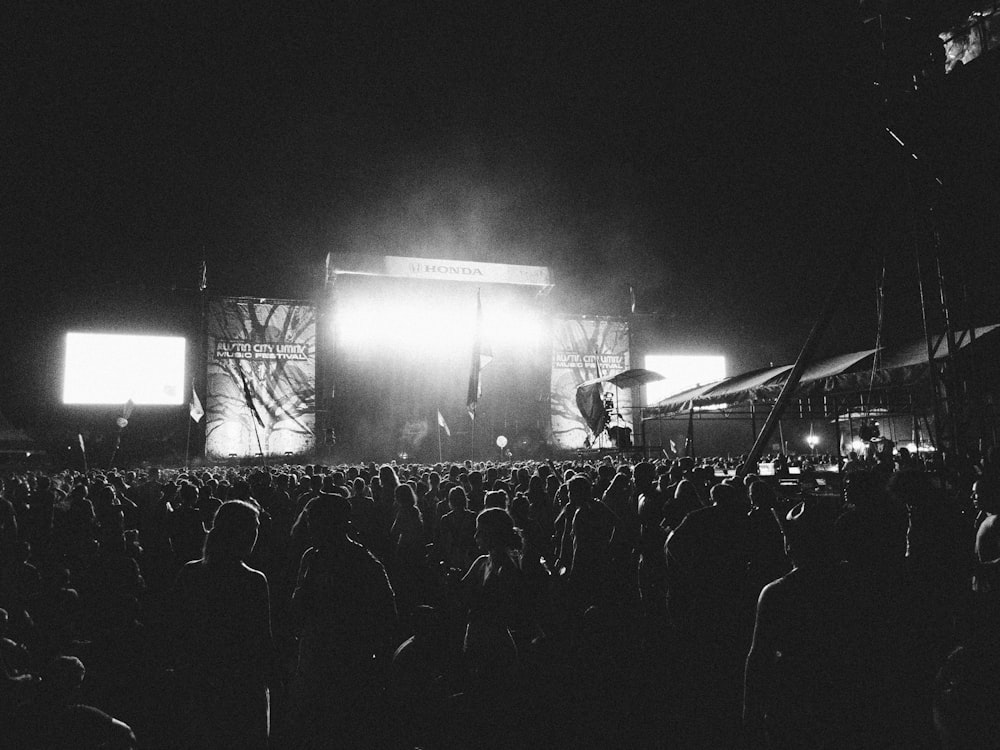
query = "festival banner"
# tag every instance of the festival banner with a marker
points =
(584, 348)
(261, 395)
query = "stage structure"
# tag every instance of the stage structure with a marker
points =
(838, 399)
(587, 348)
(395, 379)
(261, 389)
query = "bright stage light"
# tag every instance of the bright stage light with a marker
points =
(443, 325)
(682, 372)
(857, 445)
(103, 368)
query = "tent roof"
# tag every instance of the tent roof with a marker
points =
(843, 372)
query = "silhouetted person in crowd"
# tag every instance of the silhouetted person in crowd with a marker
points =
(652, 561)
(458, 531)
(57, 719)
(706, 583)
(408, 535)
(767, 545)
(682, 498)
(966, 695)
(496, 597)
(812, 676)
(594, 579)
(418, 687)
(986, 499)
(476, 492)
(224, 645)
(346, 615)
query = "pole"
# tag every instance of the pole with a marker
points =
(439, 442)
(187, 446)
(836, 424)
(472, 452)
(795, 376)
(689, 448)
(114, 451)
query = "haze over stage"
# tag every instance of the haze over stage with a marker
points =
(104, 368)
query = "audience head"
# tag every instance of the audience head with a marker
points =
(329, 518)
(62, 678)
(579, 490)
(495, 531)
(495, 499)
(809, 533)
(404, 496)
(725, 495)
(519, 509)
(644, 474)
(986, 495)
(762, 495)
(233, 534)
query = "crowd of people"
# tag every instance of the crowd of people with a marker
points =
(538, 604)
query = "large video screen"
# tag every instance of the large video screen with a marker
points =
(681, 372)
(106, 368)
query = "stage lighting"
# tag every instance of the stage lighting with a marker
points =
(411, 324)
(682, 372)
(858, 445)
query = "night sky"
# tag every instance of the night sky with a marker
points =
(725, 160)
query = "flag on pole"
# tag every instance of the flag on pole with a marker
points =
(128, 408)
(82, 448)
(248, 397)
(203, 277)
(631, 298)
(195, 407)
(442, 424)
(475, 387)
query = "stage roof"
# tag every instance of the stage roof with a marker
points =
(844, 373)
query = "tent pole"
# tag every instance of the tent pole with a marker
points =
(836, 422)
(795, 376)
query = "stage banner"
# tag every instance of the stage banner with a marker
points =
(436, 269)
(261, 378)
(584, 348)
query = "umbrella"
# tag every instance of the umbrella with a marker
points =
(626, 379)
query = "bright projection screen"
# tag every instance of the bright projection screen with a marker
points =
(680, 372)
(106, 368)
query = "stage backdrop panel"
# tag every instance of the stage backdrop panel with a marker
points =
(261, 358)
(582, 349)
